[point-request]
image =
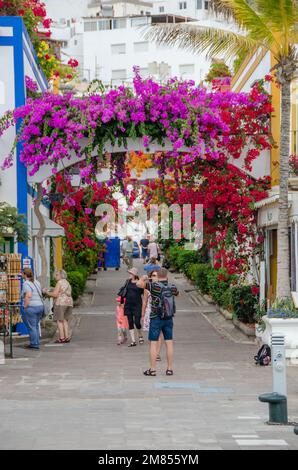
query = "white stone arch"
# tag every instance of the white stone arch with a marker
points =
(136, 145)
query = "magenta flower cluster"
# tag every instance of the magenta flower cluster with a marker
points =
(54, 126)
(31, 85)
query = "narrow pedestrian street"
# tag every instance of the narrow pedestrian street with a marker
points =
(91, 393)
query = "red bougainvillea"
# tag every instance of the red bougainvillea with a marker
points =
(76, 211)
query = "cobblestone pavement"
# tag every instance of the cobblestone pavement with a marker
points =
(91, 393)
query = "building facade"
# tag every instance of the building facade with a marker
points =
(108, 38)
(255, 67)
(18, 60)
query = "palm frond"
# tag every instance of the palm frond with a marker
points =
(220, 8)
(199, 39)
(247, 17)
(280, 15)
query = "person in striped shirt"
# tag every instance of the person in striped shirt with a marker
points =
(158, 324)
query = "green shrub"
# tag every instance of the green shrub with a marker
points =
(218, 282)
(186, 257)
(87, 259)
(244, 303)
(190, 270)
(173, 253)
(181, 258)
(200, 274)
(77, 281)
(226, 301)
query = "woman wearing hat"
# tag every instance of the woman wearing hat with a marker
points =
(133, 306)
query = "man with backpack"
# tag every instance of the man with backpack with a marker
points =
(161, 319)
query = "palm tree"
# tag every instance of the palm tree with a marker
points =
(268, 24)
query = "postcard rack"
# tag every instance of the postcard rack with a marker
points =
(10, 295)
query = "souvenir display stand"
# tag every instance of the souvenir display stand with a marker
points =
(10, 295)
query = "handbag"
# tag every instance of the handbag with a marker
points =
(123, 290)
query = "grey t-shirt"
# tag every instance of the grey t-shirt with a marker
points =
(129, 247)
(35, 288)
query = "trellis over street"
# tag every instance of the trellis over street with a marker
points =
(259, 168)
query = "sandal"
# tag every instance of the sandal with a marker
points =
(169, 372)
(132, 345)
(150, 372)
(67, 340)
(141, 340)
(158, 358)
(59, 341)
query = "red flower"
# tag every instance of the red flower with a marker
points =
(21, 12)
(73, 63)
(47, 23)
(255, 290)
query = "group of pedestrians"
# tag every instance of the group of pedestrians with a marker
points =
(146, 304)
(149, 249)
(34, 306)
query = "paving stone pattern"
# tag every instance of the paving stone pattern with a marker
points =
(91, 393)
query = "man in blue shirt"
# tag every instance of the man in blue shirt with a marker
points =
(144, 247)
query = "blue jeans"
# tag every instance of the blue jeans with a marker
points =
(158, 325)
(32, 317)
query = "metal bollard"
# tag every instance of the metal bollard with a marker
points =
(278, 358)
(296, 430)
(277, 400)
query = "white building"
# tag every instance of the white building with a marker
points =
(113, 46)
(107, 38)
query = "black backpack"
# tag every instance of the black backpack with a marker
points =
(263, 357)
(166, 306)
(166, 264)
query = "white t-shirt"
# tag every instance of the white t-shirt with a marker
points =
(153, 250)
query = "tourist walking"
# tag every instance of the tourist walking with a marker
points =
(132, 298)
(33, 307)
(144, 243)
(161, 319)
(123, 248)
(154, 250)
(128, 256)
(63, 305)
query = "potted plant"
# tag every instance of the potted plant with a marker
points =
(282, 318)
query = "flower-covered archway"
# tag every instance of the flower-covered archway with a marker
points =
(185, 133)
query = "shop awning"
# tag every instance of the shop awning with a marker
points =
(268, 209)
(52, 229)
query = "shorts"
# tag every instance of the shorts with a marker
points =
(62, 312)
(144, 253)
(158, 325)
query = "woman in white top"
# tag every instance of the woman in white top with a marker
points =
(63, 304)
(153, 250)
(33, 307)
